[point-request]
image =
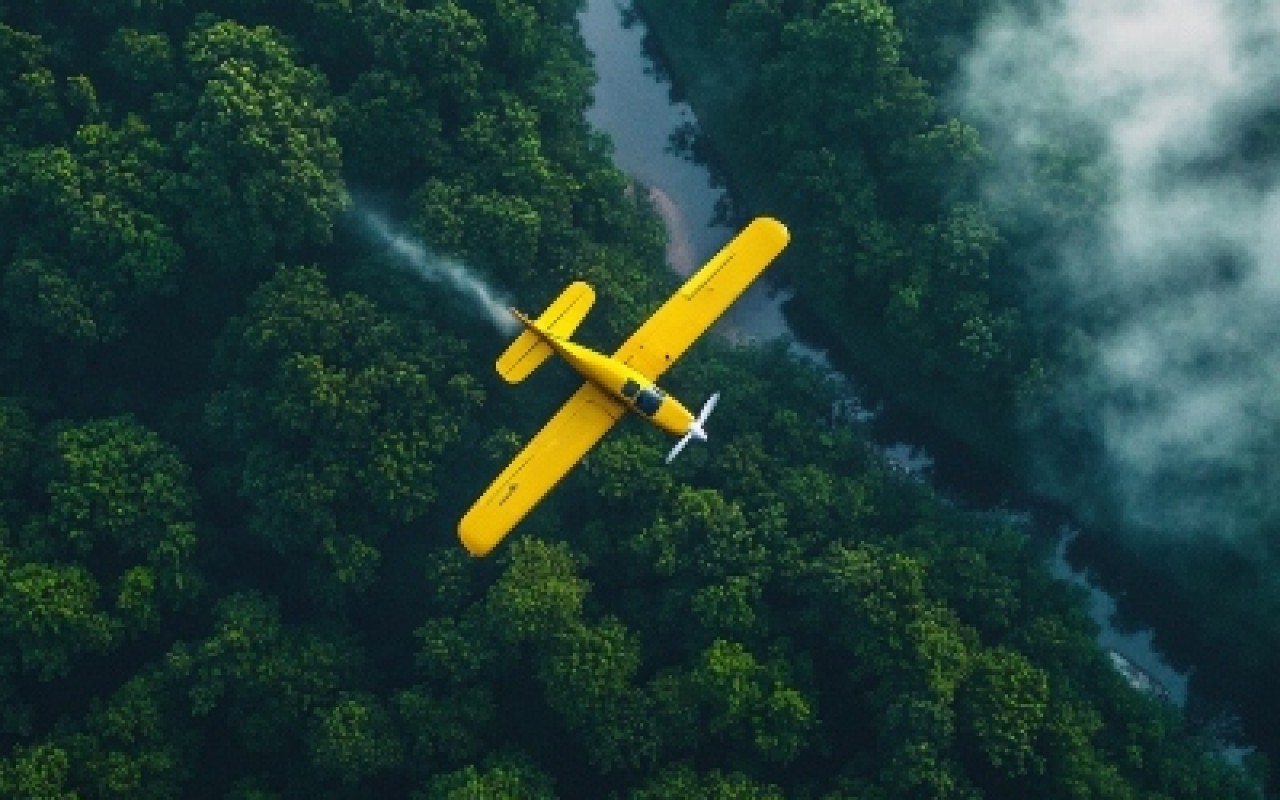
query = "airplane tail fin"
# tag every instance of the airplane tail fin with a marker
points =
(560, 320)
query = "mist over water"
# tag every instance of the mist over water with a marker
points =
(1133, 155)
(418, 258)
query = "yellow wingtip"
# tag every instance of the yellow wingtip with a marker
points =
(475, 537)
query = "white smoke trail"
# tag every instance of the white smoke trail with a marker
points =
(1161, 246)
(439, 269)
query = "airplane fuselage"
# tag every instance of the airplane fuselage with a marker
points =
(627, 384)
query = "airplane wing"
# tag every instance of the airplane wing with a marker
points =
(547, 458)
(661, 340)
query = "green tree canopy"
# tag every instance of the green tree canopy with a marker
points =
(263, 164)
(121, 495)
(341, 413)
(85, 231)
(230, 484)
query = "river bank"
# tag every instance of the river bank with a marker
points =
(980, 448)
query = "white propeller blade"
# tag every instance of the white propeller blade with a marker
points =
(695, 428)
(707, 408)
(675, 451)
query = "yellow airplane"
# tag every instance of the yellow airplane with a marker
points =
(614, 384)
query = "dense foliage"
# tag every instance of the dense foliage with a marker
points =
(842, 114)
(830, 113)
(235, 440)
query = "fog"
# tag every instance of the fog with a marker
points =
(1131, 154)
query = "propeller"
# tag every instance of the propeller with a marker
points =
(695, 428)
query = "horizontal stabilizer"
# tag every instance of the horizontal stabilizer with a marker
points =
(564, 316)
(561, 319)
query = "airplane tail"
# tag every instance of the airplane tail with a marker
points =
(561, 319)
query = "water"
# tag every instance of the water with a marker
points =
(1136, 646)
(638, 114)
(636, 110)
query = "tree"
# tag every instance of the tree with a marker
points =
(745, 700)
(703, 533)
(142, 63)
(502, 200)
(105, 548)
(262, 677)
(135, 743)
(118, 488)
(442, 45)
(119, 498)
(589, 676)
(681, 781)
(49, 616)
(778, 616)
(30, 109)
(1003, 707)
(843, 75)
(941, 161)
(540, 594)
(389, 129)
(452, 726)
(37, 773)
(86, 234)
(17, 441)
(498, 779)
(353, 739)
(338, 414)
(263, 165)
(755, 27)
(915, 732)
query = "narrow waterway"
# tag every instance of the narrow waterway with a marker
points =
(636, 110)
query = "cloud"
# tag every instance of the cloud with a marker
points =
(1134, 147)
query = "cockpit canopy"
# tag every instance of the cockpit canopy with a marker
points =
(646, 399)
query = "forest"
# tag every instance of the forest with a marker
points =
(928, 233)
(236, 437)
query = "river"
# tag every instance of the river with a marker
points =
(635, 108)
